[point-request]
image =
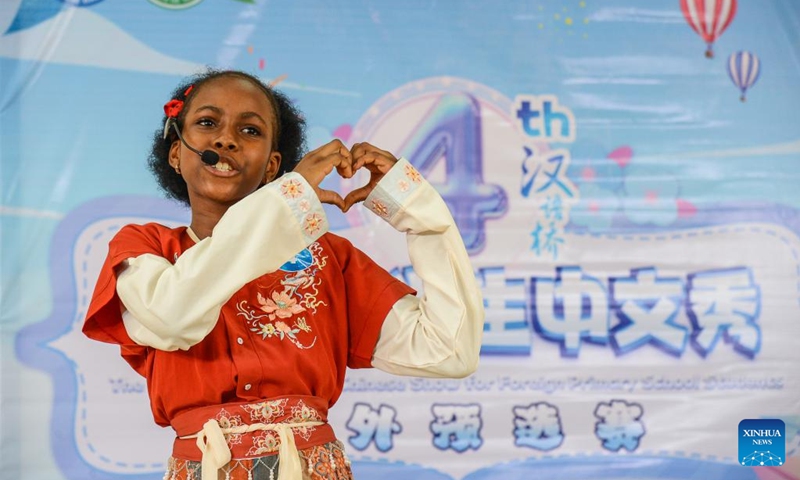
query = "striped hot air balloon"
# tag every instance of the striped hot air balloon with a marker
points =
(743, 68)
(709, 18)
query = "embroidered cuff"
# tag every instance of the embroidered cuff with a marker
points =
(305, 205)
(388, 196)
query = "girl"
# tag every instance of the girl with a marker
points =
(244, 322)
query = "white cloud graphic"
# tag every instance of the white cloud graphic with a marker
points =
(78, 36)
(8, 10)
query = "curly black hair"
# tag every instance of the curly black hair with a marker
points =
(289, 137)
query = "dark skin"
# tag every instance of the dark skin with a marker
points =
(378, 162)
(232, 117)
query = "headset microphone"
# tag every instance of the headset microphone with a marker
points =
(209, 157)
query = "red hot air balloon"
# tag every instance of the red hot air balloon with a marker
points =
(709, 18)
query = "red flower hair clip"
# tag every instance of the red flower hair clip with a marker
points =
(173, 108)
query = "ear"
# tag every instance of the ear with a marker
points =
(175, 154)
(273, 165)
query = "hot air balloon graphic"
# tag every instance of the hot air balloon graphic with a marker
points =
(709, 18)
(743, 68)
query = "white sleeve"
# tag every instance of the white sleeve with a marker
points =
(438, 334)
(170, 307)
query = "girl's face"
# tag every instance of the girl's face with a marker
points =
(234, 118)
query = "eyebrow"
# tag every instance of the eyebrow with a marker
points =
(245, 115)
(253, 114)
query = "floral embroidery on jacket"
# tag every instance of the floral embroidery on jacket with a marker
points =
(264, 443)
(379, 208)
(302, 413)
(271, 411)
(284, 313)
(291, 188)
(266, 412)
(281, 305)
(412, 173)
(312, 223)
(226, 420)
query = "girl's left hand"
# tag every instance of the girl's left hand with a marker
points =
(377, 161)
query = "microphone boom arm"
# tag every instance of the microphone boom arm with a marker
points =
(209, 157)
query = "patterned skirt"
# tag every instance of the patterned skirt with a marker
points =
(322, 462)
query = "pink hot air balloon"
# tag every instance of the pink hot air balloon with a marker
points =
(709, 18)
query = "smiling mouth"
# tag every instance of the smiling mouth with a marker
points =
(222, 166)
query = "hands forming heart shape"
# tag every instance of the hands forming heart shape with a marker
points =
(317, 164)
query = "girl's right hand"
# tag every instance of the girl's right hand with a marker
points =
(317, 164)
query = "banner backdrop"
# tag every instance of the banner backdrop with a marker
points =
(624, 175)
